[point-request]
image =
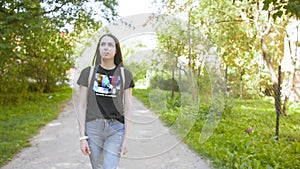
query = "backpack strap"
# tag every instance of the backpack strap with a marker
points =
(123, 76)
(90, 76)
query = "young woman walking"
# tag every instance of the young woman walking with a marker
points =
(104, 105)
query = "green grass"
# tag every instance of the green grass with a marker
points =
(19, 122)
(231, 146)
(142, 95)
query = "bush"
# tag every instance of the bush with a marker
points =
(163, 84)
(234, 145)
(19, 123)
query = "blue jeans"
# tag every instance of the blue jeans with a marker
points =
(105, 141)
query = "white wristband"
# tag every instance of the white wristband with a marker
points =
(83, 138)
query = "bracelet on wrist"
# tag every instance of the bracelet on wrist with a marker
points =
(83, 138)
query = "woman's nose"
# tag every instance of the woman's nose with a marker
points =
(105, 47)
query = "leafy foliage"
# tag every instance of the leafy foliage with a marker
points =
(290, 7)
(232, 144)
(249, 37)
(36, 48)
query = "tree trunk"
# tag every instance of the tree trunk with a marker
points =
(292, 77)
(292, 83)
(284, 106)
(173, 85)
(267, 58)
(274, 78)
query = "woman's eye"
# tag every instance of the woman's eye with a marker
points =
(111, 45)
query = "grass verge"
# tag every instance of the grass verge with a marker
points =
(19, 122)
(233, 146)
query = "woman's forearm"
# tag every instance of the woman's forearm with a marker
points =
(127, 110)
(81, 113)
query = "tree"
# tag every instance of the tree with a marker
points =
(280, 8)
(36, 48)
(271, 31)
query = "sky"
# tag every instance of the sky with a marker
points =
(127, 8)
(133, 7)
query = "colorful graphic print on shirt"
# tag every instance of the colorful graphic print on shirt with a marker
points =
(105, 85)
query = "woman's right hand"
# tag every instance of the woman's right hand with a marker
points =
(84, 147)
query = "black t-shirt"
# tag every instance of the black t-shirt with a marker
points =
(108, 85)
(107, 88)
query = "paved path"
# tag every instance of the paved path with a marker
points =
(151, 146)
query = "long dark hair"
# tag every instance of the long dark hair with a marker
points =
(118, 56)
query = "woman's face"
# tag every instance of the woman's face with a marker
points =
(107, 48)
